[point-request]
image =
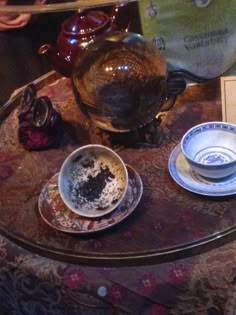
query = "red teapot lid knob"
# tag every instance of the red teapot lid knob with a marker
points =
(86, 22)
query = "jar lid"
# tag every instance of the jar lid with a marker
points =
(84, 23)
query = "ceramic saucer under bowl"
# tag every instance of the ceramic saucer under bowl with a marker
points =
(184, 176)
(54, 212)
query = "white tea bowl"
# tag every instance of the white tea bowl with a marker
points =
(93, 180)
(210, 149)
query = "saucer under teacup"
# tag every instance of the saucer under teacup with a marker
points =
(55, 213)
(186, 177)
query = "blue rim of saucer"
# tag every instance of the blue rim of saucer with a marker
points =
(188, 179)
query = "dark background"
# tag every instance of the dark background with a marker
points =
(20, 62)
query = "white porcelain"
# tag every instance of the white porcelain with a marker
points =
(190, 180)
(56, 214)
(210, 149)
(93, 180)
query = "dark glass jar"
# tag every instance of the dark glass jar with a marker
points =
(120, 81)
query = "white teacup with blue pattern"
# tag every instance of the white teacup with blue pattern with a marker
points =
(210, 149)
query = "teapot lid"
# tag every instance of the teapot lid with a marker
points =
(84, 23)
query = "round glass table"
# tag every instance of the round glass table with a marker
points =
(169, 222)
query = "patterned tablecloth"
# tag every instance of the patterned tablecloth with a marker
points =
(33, 284)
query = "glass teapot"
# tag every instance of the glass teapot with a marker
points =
(79, 30)
(121, 82)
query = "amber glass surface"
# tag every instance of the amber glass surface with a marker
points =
(168, 222)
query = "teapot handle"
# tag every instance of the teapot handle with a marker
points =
(122, 16)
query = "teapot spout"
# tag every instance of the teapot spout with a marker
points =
(59, 63)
